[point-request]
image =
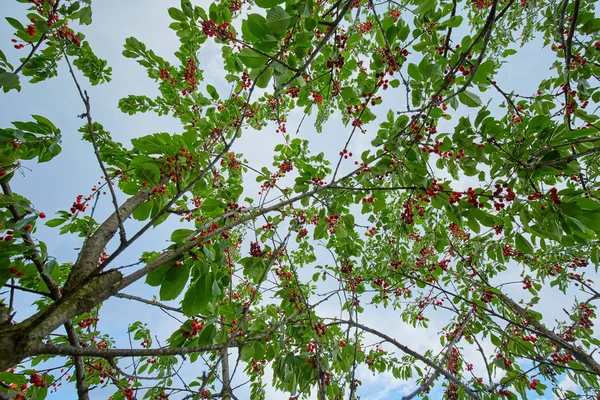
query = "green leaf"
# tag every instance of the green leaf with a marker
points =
(424, 6)
(177, 14)
(454, 21)
(257, 24)
(180, 235)
(156, 277)
(267, 3)
(212, 92)
(174, 282)
(278, 20)
(264, 78)
(6, 201)
(211, 205)
(8, 81)
(85, 15)
(413, 72)
(55, 222)
(523, 245)
(143, 211)
(198, 295)
(252, 59)
(484, 218)
(149, 172)
(469, 99)
(15, 24)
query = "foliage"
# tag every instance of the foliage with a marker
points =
(391, 228)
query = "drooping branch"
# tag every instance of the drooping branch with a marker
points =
(426, 384)
(580, 355)
(43, 38)
(468, 391)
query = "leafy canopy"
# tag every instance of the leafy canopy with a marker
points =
(458, 207)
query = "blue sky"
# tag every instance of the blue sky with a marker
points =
(54, 186)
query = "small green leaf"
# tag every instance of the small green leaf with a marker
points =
(267, 3)
(180, 235)
(252, 59)
(6, 201)
(85, 15)
(454, 21)
(212, 92)
(8, 81)
(413, 72)
(522, 244)
(177, 14)
(424, 6)
(264, 78)
(55, 222)
(15, 24)
(469, 99)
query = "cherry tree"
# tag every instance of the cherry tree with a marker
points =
(455, 201)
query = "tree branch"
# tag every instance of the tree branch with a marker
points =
(468, 391)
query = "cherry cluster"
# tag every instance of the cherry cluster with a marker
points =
(129, 394)
(509, 251)
(317, 97)
(14, 270)
(332, 220)
(190, 77)
(285, 166)
(37, 380)
(371, 231)
(282, 273)
(255, 250)
(80, 204)
(320, 329)
(407, 212)
(473, 198)
(365, 27)
(318, 181)
(258, 366)
(209, 28)
(196, 326)
(88, 322)
(67, 34)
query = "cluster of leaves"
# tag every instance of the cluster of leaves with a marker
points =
(401, 233)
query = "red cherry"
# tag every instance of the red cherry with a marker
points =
(534, 384)
(42, 215)
(19, 274)
(28, 227)
(2, 173)
(15, 145)
(13, 270)
(8, 238)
